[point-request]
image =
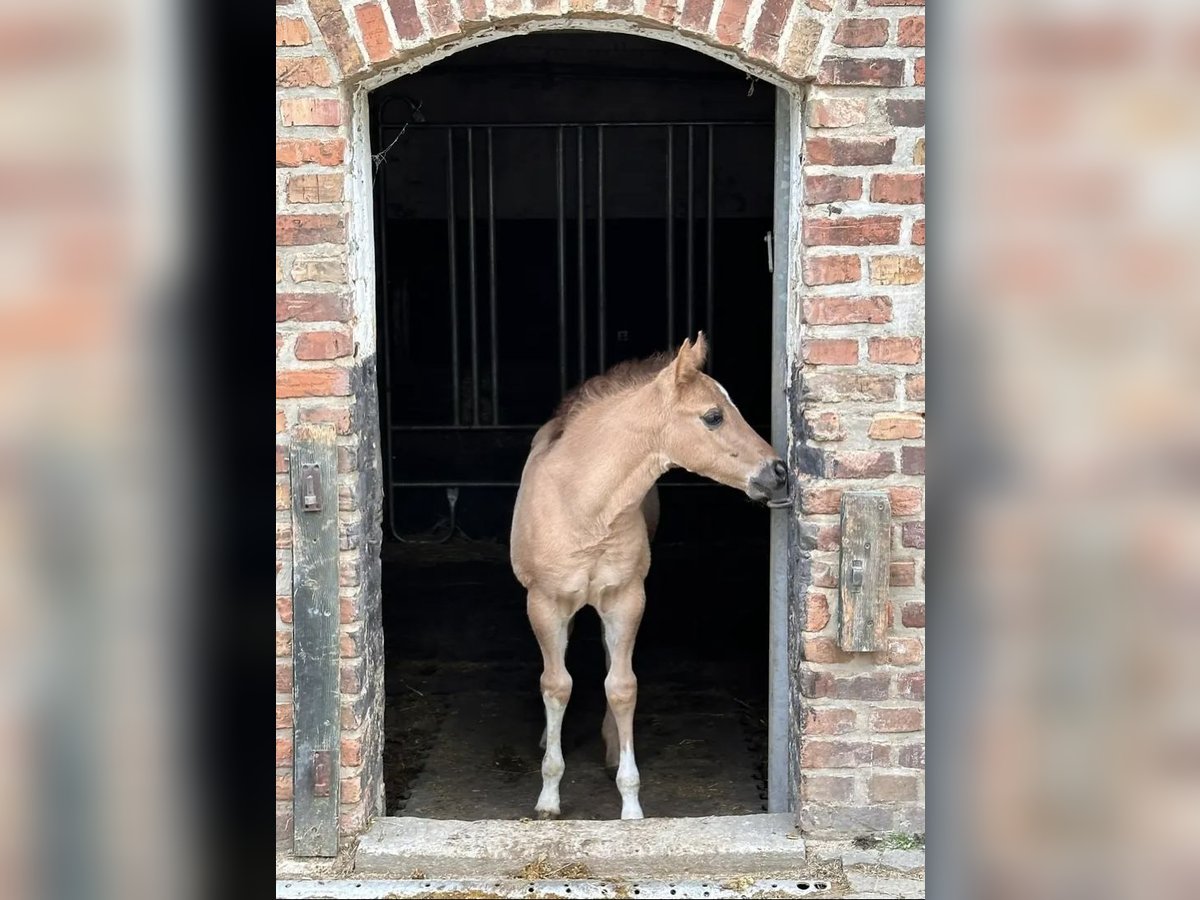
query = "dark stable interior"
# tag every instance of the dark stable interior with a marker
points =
(473, 358)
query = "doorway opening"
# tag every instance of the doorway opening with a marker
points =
(547, 206)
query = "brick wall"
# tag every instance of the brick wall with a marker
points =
(860, 719)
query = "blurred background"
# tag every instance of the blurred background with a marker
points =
(1064, 317)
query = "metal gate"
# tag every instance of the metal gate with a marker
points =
(462, 423)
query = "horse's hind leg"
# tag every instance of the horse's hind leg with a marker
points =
(570, 629)
(551, 627)
(608, 730)
(621, 616)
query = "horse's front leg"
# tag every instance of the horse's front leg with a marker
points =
(621, 615)
(551, 628)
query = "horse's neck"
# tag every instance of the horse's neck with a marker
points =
(614, 460)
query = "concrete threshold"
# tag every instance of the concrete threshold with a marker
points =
(573, 889)
(710, 848)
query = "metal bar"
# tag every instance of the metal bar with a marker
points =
(472, 275)
(691, 228)
(492, 281)
(384, 321)
(467, 427)
(582, 284)
(515, 483)
(670, 237)
(708, 257)
(781, 777)
(562, 271)
(452, 222)
(601, 300)
(658, 123)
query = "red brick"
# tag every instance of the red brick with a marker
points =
(896, 426)
(283, 677)
(323, 345)
(918, 233)
(331, 20)
(861, 33)
(351, 677)
(283, 785)
(829, 537)
(911, 756)
(731, 21)
(913, 614)
(829, 720)
(919, 71)
(283, 536)
(290, 32)
(283, 715)
(842, 352)
(306, 230)
(905, 351)
(828, 188)
(823, 425)
(283, 606)
(310, 152)
(281, 463)
(912, 534)
(408, 23)
(310, 111)
(895, 2)
(911, 32)
(898, 188)
(764, 43)
(851, 232)
(351, 751)
(883, 788)
(283, 643)
(694, 14)
(351, 789)
(906, 113)
(904, 651)
(837, 112)
(831, 151)
(903, 573)
(826, 788)
(905, 500)
(302, 71)
(443, 19)
(280, 421)
(816, 612)
(815, 754)
(824, 650)
(374, 31)
(914, 387)
(818, 500)
(891, 721)
(283, 749)
(912, 460)
(831, 270)
(311, 308)
(476, 10)
(861, 464)
(852, 70)
(911, 686)
(312, 383)
(825, 386)
(847, 310)
(824, 575)
(321, 415)
(845, 687)
(326, 271)
(315, 188)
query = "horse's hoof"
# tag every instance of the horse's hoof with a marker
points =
(546, 814)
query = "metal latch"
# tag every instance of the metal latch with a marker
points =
(322, 767)
(856, 574)
(310, 486)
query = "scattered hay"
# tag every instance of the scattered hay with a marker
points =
(738, 883)
(540, 870)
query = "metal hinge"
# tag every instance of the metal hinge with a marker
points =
(322, 769)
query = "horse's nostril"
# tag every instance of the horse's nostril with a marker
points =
(780, 471)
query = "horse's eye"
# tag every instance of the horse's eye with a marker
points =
(713, 418)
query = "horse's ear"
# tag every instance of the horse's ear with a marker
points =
(690, 359)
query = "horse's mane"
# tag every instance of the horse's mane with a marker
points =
(624, 376)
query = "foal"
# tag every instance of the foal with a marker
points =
(584, 512)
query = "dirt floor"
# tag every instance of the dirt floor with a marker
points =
(464, 713)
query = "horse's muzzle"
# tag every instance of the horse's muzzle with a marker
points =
(771, 485)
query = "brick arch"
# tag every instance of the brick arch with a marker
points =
(780, 41)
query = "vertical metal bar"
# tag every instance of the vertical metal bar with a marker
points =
(492, 282)
(708, 257)
(582, 282)
(452, 222)
(385, 349)
(782, 777)
(471, 274)
(691, 228)
(670, 237)
(562, 270)
(602, 331)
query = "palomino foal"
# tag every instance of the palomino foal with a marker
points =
(586, 508)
